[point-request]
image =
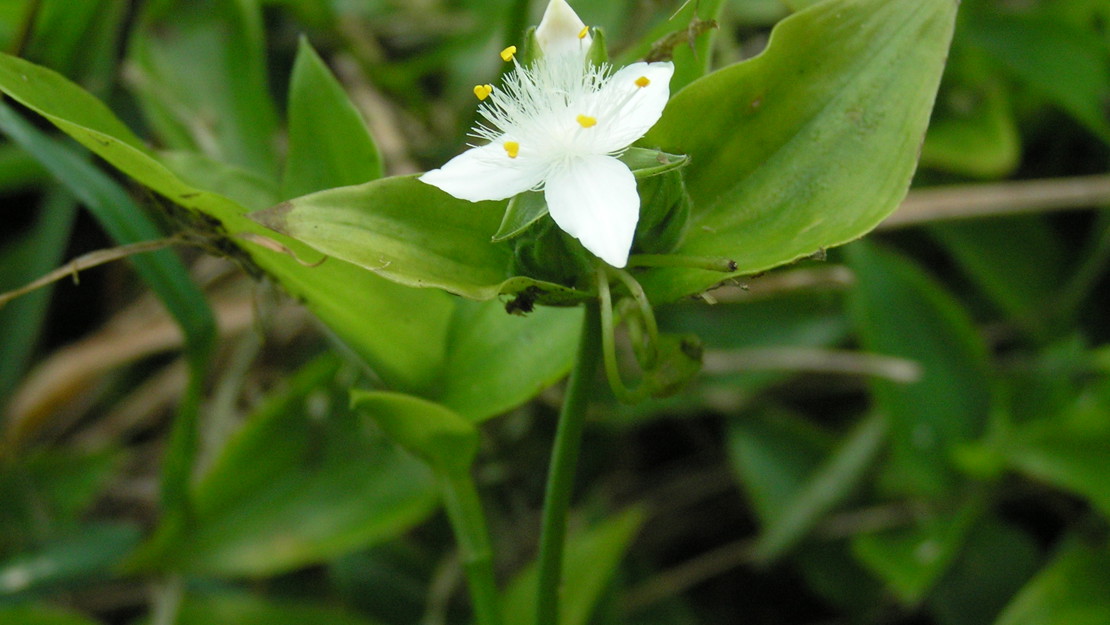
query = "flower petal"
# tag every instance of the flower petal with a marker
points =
(593, 198)
(489, 173)
(560, 30)
(630, 103)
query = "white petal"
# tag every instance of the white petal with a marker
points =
(488, 173)
(593, 198)
(625, 110)
(559, 29)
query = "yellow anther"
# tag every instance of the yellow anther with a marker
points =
(585, 31)
(482, 91)
(586, 121)
(642, 81)
(507, 53)
(512, 148)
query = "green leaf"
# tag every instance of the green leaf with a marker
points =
(808, 145)
(34, 255)
(302, 482)
(162, 271)
(1070, 459)
(70, 560)
(40, 615)
(1071, 66)
(900, 311)
(78, 39)
(329, 143)
(1071, 590)
(973, 130)
(824, 489)
(994, 564)
(413, 233)
(199, 70)
(234, 183)
(589, 564)
(772, 453)
(912, 560)
(497, 361)
(396, 344)
(437, 435)
(1024, 268)
(242, 609)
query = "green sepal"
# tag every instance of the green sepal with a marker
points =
(664, 212)
(530, 49)
(524, 210)
(645, 163)
(551, 255)
(598, 54)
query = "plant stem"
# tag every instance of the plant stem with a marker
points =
(464, 508)
(560, 476)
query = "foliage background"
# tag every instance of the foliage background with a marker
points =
(915, 430)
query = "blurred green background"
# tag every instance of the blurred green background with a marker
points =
(915, 430)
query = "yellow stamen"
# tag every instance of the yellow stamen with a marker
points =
(586, 121)
(507, 53)
(512, 148)
(482, 91)
(642, 82)
(585, 31)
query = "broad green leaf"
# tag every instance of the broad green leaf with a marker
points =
(1067, 64)
(28, 614)
(497, 361)
(590, 562)
(973, 130)
(912, 560)
(34, 255)
(773, 453)
(1023, 269)
(73, 560)
(900, 311)
(435, 434)
(303, 481)
(329, 143)
(808, 145)
(199, 71)
(826, 487)
(234, 183)
(1071, 590)
(413, 233)
(242, 609)
(996, 562)
(1070, 459)
(390, 326)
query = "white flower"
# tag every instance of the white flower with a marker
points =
(558, 125)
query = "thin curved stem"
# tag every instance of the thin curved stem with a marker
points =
(646, 314)
(560, 476)
(608, 343)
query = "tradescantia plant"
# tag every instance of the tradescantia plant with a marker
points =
(589, 185)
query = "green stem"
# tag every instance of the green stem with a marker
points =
(464, 509)
(560, 476)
